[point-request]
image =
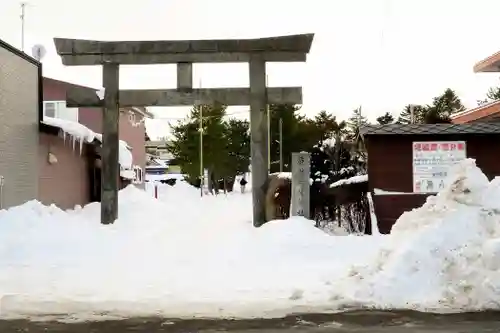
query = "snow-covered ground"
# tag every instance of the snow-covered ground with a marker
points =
(184, 256)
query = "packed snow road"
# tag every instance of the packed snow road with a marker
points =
(354, 322)
(183, 256)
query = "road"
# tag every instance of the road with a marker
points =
(356, 321)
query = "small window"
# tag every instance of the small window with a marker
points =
(66, 113)
(49, 109)
(58, 109)
(139, 175)
(131, 118)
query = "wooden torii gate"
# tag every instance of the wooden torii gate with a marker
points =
(183, 53)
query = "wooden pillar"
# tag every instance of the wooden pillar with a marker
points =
(110, 144)
(258, 137)
(184, 76)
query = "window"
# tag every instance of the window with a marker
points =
(139, 175)
(58, 109)
(49, 109)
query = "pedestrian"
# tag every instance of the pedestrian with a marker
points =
(243, 183)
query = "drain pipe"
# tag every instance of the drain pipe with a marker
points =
(2, 182)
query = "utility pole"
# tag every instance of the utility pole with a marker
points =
(23, 7)
(281, 145)
(202, 171)
(268, 136)
(412, 114)
(359, 117)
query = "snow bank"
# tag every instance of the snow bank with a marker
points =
(352, 180)
(443, 256)
(378, 191)
(283, 175)
(185, 256)
(83, 134)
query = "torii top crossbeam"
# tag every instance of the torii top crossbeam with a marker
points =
(77, 52)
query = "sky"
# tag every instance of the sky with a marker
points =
(378, 54)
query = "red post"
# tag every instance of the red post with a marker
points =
(156, 191)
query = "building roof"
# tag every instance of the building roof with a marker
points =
(18, 52)
(487, 110)
(430, 129)
(66, 83)
(156, 144)
(143, 111)
(490, 64)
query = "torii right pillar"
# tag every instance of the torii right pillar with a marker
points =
(297, 48)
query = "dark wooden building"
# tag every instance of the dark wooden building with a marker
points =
(390, 161)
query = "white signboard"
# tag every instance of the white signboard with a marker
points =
(432, 161)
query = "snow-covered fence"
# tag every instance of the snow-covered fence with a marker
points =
(344, 203)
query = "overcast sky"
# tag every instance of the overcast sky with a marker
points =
(381, 54)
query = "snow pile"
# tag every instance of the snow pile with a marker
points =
(124, 153)
(283, 175)
(444, 255)
(378, 191)
(352, 180)
(83, 134)
(328, 143)
(184, 256)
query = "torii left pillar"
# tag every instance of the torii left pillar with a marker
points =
(110, 171)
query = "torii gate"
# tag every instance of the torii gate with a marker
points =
(76, 52)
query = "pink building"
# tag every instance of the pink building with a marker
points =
(69, 174)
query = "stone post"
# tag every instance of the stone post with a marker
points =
(301, 169)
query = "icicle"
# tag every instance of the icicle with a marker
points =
(81, 146)
(74, 142)
(64, 137)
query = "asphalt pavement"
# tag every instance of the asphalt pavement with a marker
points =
(355, 321)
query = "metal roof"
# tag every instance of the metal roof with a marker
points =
(430, 129)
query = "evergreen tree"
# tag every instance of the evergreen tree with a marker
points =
(238, 147)
(326, 155)
(418, 114)
(327, 126)
(444, 106)
(386, 118)
(354, 123)
(493, 94)
(185, 145)
(356, 120)
(291, 134)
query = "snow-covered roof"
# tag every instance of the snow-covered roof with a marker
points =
(83, 134)
(482, 111)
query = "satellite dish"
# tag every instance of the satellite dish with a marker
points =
(38, 52)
